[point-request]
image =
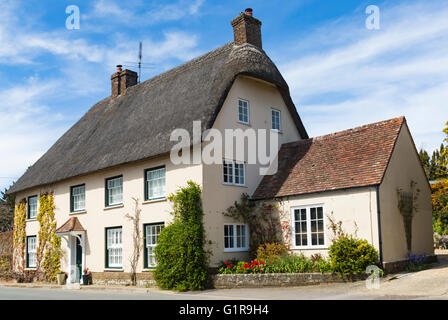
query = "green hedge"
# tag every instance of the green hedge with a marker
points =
(180, 255)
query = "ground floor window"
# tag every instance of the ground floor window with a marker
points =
(308, 227)
(114, 248)
(152, 232)
(31, 252)
(235, 237)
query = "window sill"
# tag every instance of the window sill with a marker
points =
(310, 248)
(154, 200)
(113, 270)
(237, 250)
(149, 269)
(77, 212)
(114, 207)
(31, 219)
(278, 131)
(30, 269)
(234, 185)
(244, 123)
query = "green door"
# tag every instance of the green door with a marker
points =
(78, 259)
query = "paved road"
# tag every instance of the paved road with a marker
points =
(427, 284)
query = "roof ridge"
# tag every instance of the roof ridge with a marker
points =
(185, 66)
(346, 131)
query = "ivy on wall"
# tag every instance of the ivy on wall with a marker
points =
(407, 204)
(48, 252)
(19, 236)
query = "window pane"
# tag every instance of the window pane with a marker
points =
(155, 182)
(114, 247)
(228, 172)
(239, 173)
(32, 207)
(243, 111)
(115, 191)
(152, 235)
(275, 119)
(78, 198)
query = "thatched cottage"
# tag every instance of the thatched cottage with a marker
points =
(120, 150)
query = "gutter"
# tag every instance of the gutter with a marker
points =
(380, 244)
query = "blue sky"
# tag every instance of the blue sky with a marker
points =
(340, 73)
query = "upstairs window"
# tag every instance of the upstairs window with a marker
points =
(234, 173)
(275, 120)
(78, 198)
(155, 183)
(32, 207)
(243, 111)
(114, 248)
(114, 191)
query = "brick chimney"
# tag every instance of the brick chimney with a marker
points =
(247, 29)
(121, 80)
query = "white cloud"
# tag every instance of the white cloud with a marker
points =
(401, 69)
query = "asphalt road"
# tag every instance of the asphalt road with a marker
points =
(427, 284)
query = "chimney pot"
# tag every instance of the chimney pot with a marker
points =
(119, 68)
(249, 11)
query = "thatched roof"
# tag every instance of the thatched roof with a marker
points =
(137, 125)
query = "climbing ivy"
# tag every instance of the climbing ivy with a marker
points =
(48, 252)
(19, 236)
(407, 204)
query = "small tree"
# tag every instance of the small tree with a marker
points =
(180, 255)
(137, 241)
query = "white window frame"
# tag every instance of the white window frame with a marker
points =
(149, 243)
(308, 227)
(29, 216)
(114, 246)
(248, 111)
(273, 110)
(148, 185)
(76, 198)
(234, 169)
(33, 252)
(108, 189)
(235, 236)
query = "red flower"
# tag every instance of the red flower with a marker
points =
(262, 262)
(225, 262)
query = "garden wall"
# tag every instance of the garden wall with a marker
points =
(223, 281)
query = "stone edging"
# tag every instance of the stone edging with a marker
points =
(226, 281)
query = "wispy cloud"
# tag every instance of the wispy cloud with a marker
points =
(401, 69)
(139, 14)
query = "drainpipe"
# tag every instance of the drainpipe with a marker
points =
(379, 223)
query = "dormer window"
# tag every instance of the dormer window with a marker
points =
(243, 111)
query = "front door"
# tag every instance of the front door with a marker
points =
(78, 260)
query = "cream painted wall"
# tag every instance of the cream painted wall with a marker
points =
(347, 206)
(405, 166)
(218, 197)
(97, 217)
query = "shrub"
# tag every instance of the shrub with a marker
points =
(271, 251)
(349, 255)
(181, 259)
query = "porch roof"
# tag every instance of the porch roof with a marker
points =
(70, 225)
